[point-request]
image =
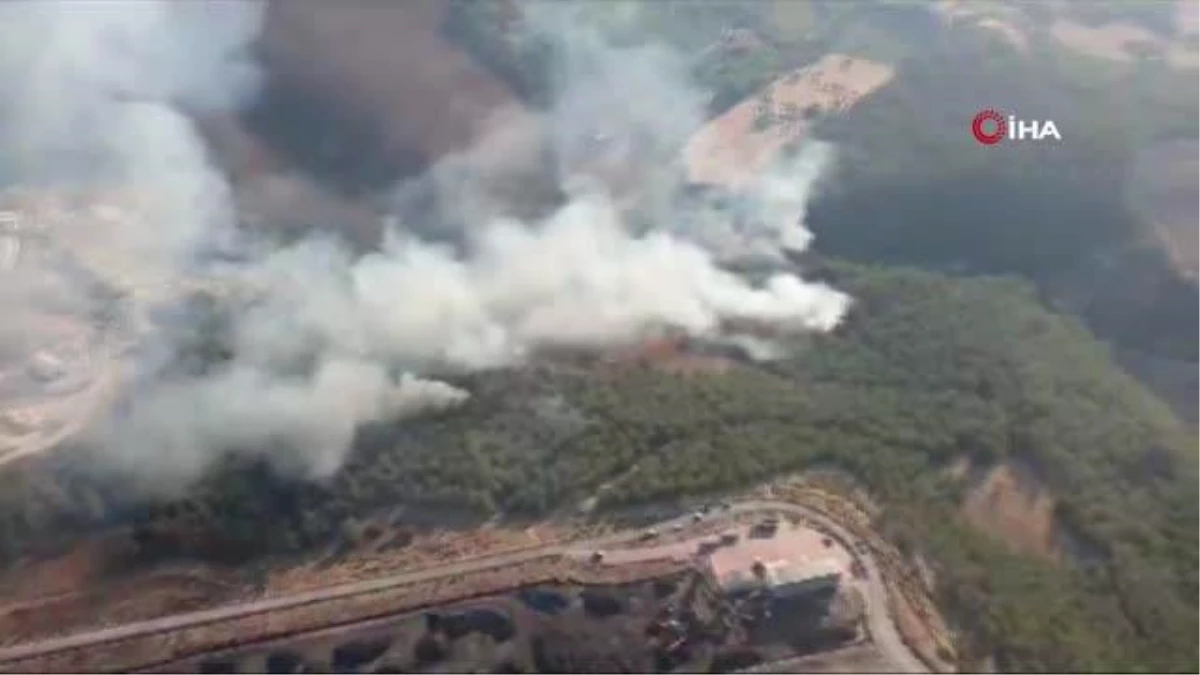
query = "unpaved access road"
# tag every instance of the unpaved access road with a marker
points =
(882, 628)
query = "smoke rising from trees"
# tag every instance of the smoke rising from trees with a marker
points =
(321, 339)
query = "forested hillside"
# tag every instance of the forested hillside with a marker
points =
(989, 286)
(927, 370)
(914, 188)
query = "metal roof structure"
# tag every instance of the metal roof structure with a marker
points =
(781, 574)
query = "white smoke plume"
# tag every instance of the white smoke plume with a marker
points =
(323, 340)
(578, 279)
(307, 422)
(768, 222)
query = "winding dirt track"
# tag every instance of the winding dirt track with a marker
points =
(882, 628)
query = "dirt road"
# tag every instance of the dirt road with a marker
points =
(883, 631)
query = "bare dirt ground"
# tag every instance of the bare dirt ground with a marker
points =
(69, 573)
(992, 16)
(80, 589)
(119, 602)
(1122, 41)
(1115, 41)
(1008, 501)
(732, 149)
(670, 355)
(402, 548)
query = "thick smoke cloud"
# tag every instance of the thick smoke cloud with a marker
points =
(93, 106)
(322, 339)
(304, 423)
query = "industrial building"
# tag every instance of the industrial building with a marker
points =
(782, 578)
(786, 558)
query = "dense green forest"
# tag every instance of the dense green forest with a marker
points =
(913, 188)
(926, 369)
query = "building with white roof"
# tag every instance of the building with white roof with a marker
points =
(781, 577)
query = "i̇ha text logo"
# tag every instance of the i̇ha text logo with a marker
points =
(990, 127)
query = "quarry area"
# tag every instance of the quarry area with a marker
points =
(786, 573)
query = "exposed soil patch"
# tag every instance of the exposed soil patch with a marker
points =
(1115, 41)
(1009, 501)
(114, 602)
(1001, 19)
(740, 144)
(68, 573)
(671, 355)
(1124, 42)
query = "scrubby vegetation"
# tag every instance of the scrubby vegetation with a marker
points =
(913, 188)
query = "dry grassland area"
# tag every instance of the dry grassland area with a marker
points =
(743, 142)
